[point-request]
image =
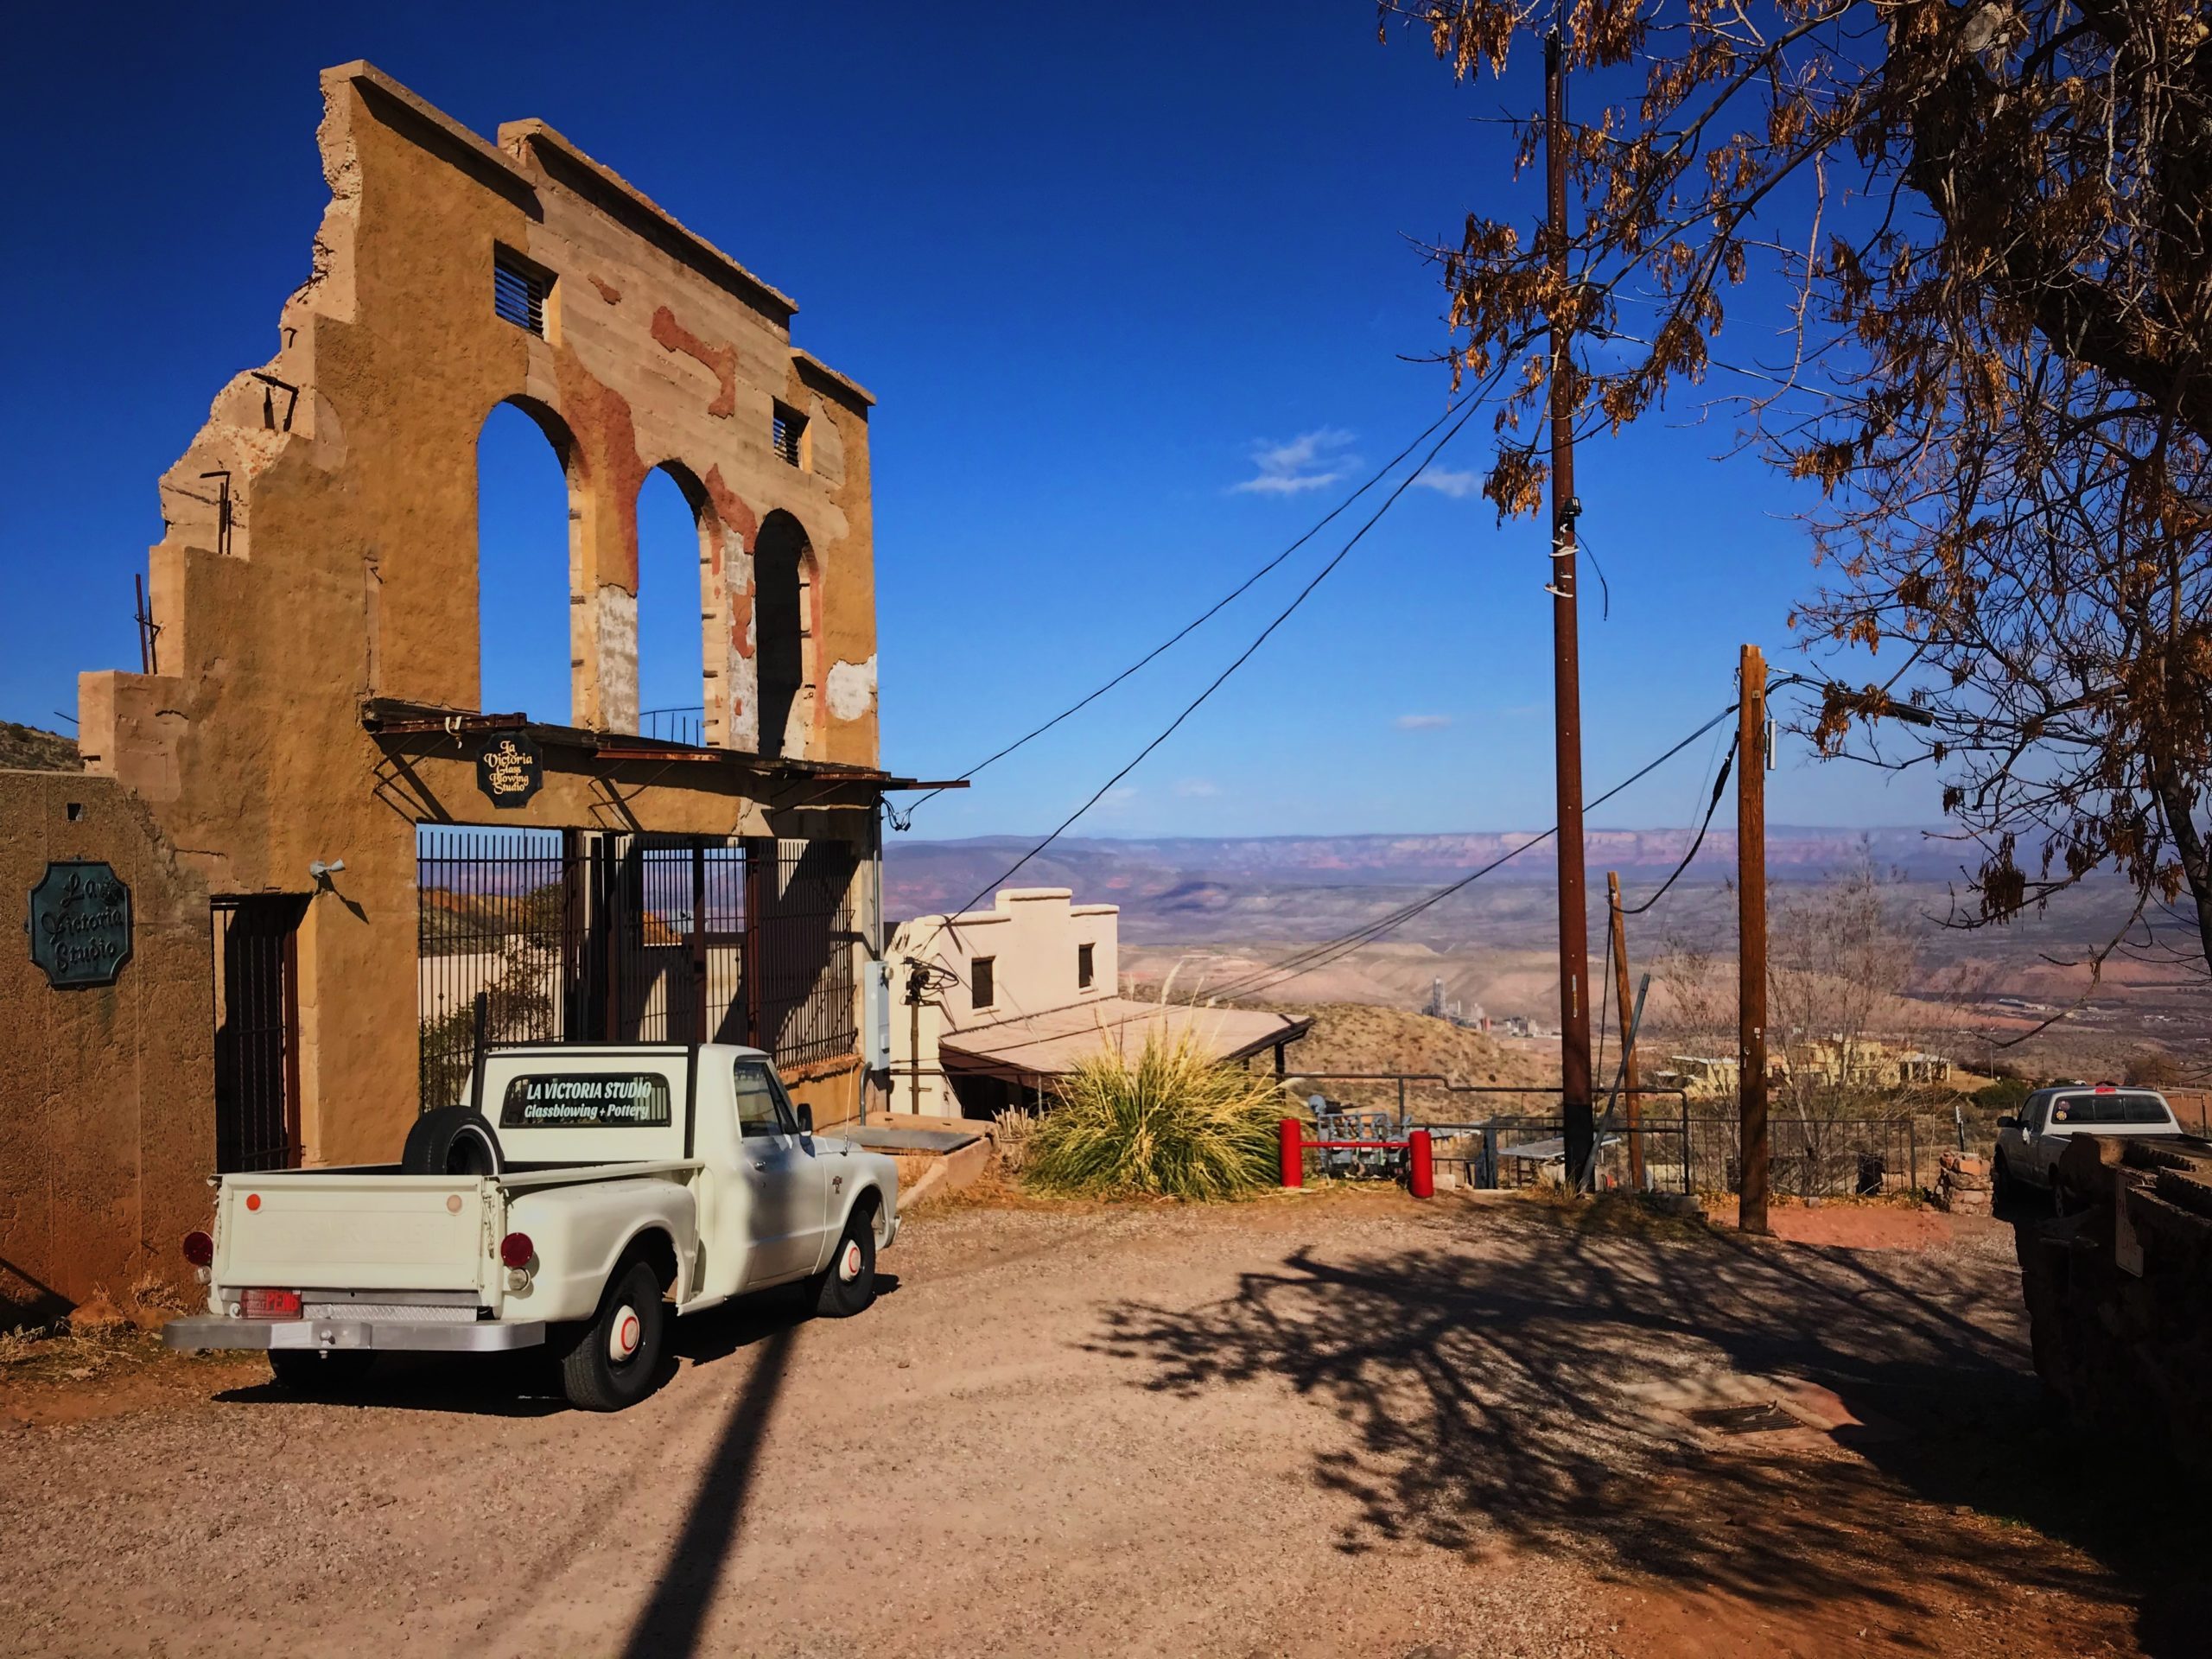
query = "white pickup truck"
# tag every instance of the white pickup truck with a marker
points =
(588, 1193)
(2031, 1143)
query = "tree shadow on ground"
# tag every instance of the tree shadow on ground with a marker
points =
(1527, 1393)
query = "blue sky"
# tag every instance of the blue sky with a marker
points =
(1127, 280)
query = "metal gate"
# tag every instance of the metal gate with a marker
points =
(591, 936)
(256, 1031)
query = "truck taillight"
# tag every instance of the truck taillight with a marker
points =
(270, 1304)
(198, 1249)
(516, 1250)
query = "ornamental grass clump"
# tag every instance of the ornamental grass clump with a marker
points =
(1171, 1123)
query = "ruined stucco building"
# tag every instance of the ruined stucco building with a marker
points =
(273, 789)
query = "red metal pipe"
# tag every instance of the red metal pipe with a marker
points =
(1421, 1165)
(1293, 1152)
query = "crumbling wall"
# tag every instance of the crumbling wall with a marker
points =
(106, 1135)
(320, 551)
(2120, 1292)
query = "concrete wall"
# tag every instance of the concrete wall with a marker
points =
(106, 1134)
(319, 550)
(1032, 936)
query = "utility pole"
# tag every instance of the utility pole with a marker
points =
(1566, 673)
(1632, 1102)
(1750, 950)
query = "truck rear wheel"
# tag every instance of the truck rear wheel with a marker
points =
(847, 1286)
(616, 1358)
(320, 1372)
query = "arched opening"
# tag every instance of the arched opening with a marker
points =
(674, 557)
(526, 554)
(784, 625)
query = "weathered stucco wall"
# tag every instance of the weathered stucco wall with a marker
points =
(105, 1135)
(320, 551)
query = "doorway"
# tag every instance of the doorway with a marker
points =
(256, 1031)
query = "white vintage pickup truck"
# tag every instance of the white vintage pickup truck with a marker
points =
(588, 1192)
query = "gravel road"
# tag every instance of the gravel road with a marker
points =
(1340, 1424)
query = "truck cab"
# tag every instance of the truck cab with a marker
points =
(585, 1194)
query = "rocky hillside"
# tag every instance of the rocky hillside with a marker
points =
(26, 748)
(1354, 1036)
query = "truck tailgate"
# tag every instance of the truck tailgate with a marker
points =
(311, 1229)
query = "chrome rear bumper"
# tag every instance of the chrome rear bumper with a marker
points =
(481, 1337)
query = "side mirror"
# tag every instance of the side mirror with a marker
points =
(805, 1119)
(2008, 1122)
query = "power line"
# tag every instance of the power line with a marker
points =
(1719, 784)
(1468, 405)
(1318, 956)
(901, 820)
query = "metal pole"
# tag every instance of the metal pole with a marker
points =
(1566, 674)
(1633, 1114)
(1751, 979)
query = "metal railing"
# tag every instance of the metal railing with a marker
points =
(684, 725)
(1682, 1150)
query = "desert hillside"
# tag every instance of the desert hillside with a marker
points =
(1359, 1037)
(26, 748)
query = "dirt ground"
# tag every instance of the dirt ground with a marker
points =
(1335, 1423)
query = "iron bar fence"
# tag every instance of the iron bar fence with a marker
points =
(1684, 1150)
(591, 936)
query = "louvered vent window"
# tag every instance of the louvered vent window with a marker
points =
(519, 292)
(786, 427)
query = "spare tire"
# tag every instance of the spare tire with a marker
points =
(451, 1140)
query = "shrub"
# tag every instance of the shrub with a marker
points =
(1171, 1123)
(2153, 1071)
(2005, 1094)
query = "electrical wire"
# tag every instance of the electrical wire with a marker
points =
(1719, 784)
(1257, 980)
(1469, 406)
(902, 820)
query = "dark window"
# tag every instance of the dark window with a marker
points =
(519, 290)
(2144, 1109)
(787, 426)
(1083, 967)
(979, 982)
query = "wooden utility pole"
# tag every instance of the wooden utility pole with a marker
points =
(1567, 672)
(1632, 1104)
(1750, 973)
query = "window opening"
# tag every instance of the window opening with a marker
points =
(1083, 969)
(523, 533)
(787, 433)
(519, 292)
(979, 981)
(673, 569)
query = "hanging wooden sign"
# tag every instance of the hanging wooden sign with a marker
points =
(509, 769)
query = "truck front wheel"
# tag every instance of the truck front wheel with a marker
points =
(616, 1357)
(847, 1286)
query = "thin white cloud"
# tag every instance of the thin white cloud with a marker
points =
(1312, 460)
(1421, 723)
(1445, 481)
(1197, 788)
